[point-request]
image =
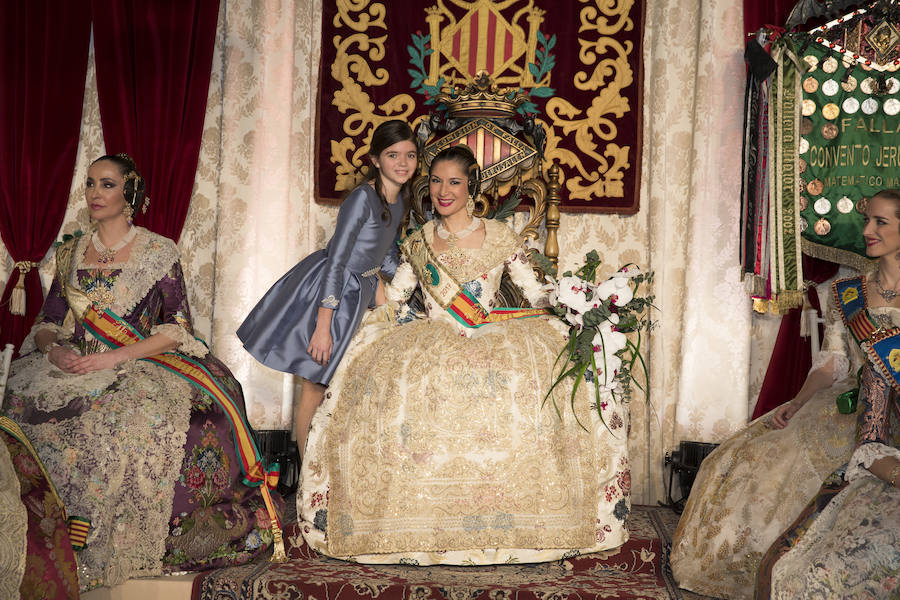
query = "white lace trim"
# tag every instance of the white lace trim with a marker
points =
(840, 366)
(151, 258)
(522, 274)
(187, 344)
(29, 345)
(864, 456)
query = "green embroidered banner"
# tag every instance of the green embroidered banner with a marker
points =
(849, 149)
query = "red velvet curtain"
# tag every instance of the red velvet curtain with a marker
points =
(154, 59)
(43, 63)
(771, 12)
(791, 356)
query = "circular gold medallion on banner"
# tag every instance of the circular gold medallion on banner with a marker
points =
(830, 87)
(849, 85)
(804, 202)
(808, 108)
(803, 225)
(893, 85)
(822, 206)
(861, 205)
(831, 111)
(806, 126)
(812, 61)
(822, 227)
(870, 106)
(891, 107)
(845, 205)
(804, 146)
(815, 187)
(830, 65)
(829, 131)
(850, 105)
(810, 85)
(801, 165)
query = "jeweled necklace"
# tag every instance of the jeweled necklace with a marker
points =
(888, 295)
(106, 255)
(453, 238)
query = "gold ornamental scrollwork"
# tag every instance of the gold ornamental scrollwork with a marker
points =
(358, 46)
(594, 128)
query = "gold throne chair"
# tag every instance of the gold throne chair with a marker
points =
(509, 148)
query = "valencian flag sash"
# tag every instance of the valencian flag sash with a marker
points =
(78, 526)
(881, 345)
(115, 332)
(453, 297)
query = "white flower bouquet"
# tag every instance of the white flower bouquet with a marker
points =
(605, 321)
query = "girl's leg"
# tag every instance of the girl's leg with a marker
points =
(310, 397)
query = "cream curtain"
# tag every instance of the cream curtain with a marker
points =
(253, 216)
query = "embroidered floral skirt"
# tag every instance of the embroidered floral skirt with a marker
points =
(149, 459)
(750, 489)
(433, 448)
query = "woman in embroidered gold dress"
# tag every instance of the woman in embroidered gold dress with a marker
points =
(154, 462)
(846, 541)
(433, 445)
(757, 483)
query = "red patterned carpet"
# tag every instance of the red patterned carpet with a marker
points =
(639, 569)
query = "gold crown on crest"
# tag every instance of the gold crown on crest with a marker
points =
(482, 99)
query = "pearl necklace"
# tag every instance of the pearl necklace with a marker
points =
(453, 238)
(106, 255)
(888, 295)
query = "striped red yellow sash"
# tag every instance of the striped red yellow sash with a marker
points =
(850, 298)
(469, 312)
(880, 344)
(115, 332)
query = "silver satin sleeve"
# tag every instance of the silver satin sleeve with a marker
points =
(355, 211)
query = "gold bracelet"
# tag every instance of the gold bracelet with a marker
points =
(894, 472)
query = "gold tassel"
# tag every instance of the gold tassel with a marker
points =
(17, 297)
(278, 554)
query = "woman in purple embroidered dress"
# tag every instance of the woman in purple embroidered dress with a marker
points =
(142, 453)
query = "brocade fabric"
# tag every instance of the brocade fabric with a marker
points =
(755, 484)
(49, 571)
(138, 450)
(434, 443)
(847, 545)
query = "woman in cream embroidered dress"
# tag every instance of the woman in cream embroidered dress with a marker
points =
(846, 541)
(144, 455)
(754, 485)
(433, 444)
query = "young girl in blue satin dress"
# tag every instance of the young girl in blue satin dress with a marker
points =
(304, 323)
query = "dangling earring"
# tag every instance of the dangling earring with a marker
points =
(470, 206)
(129, 213)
